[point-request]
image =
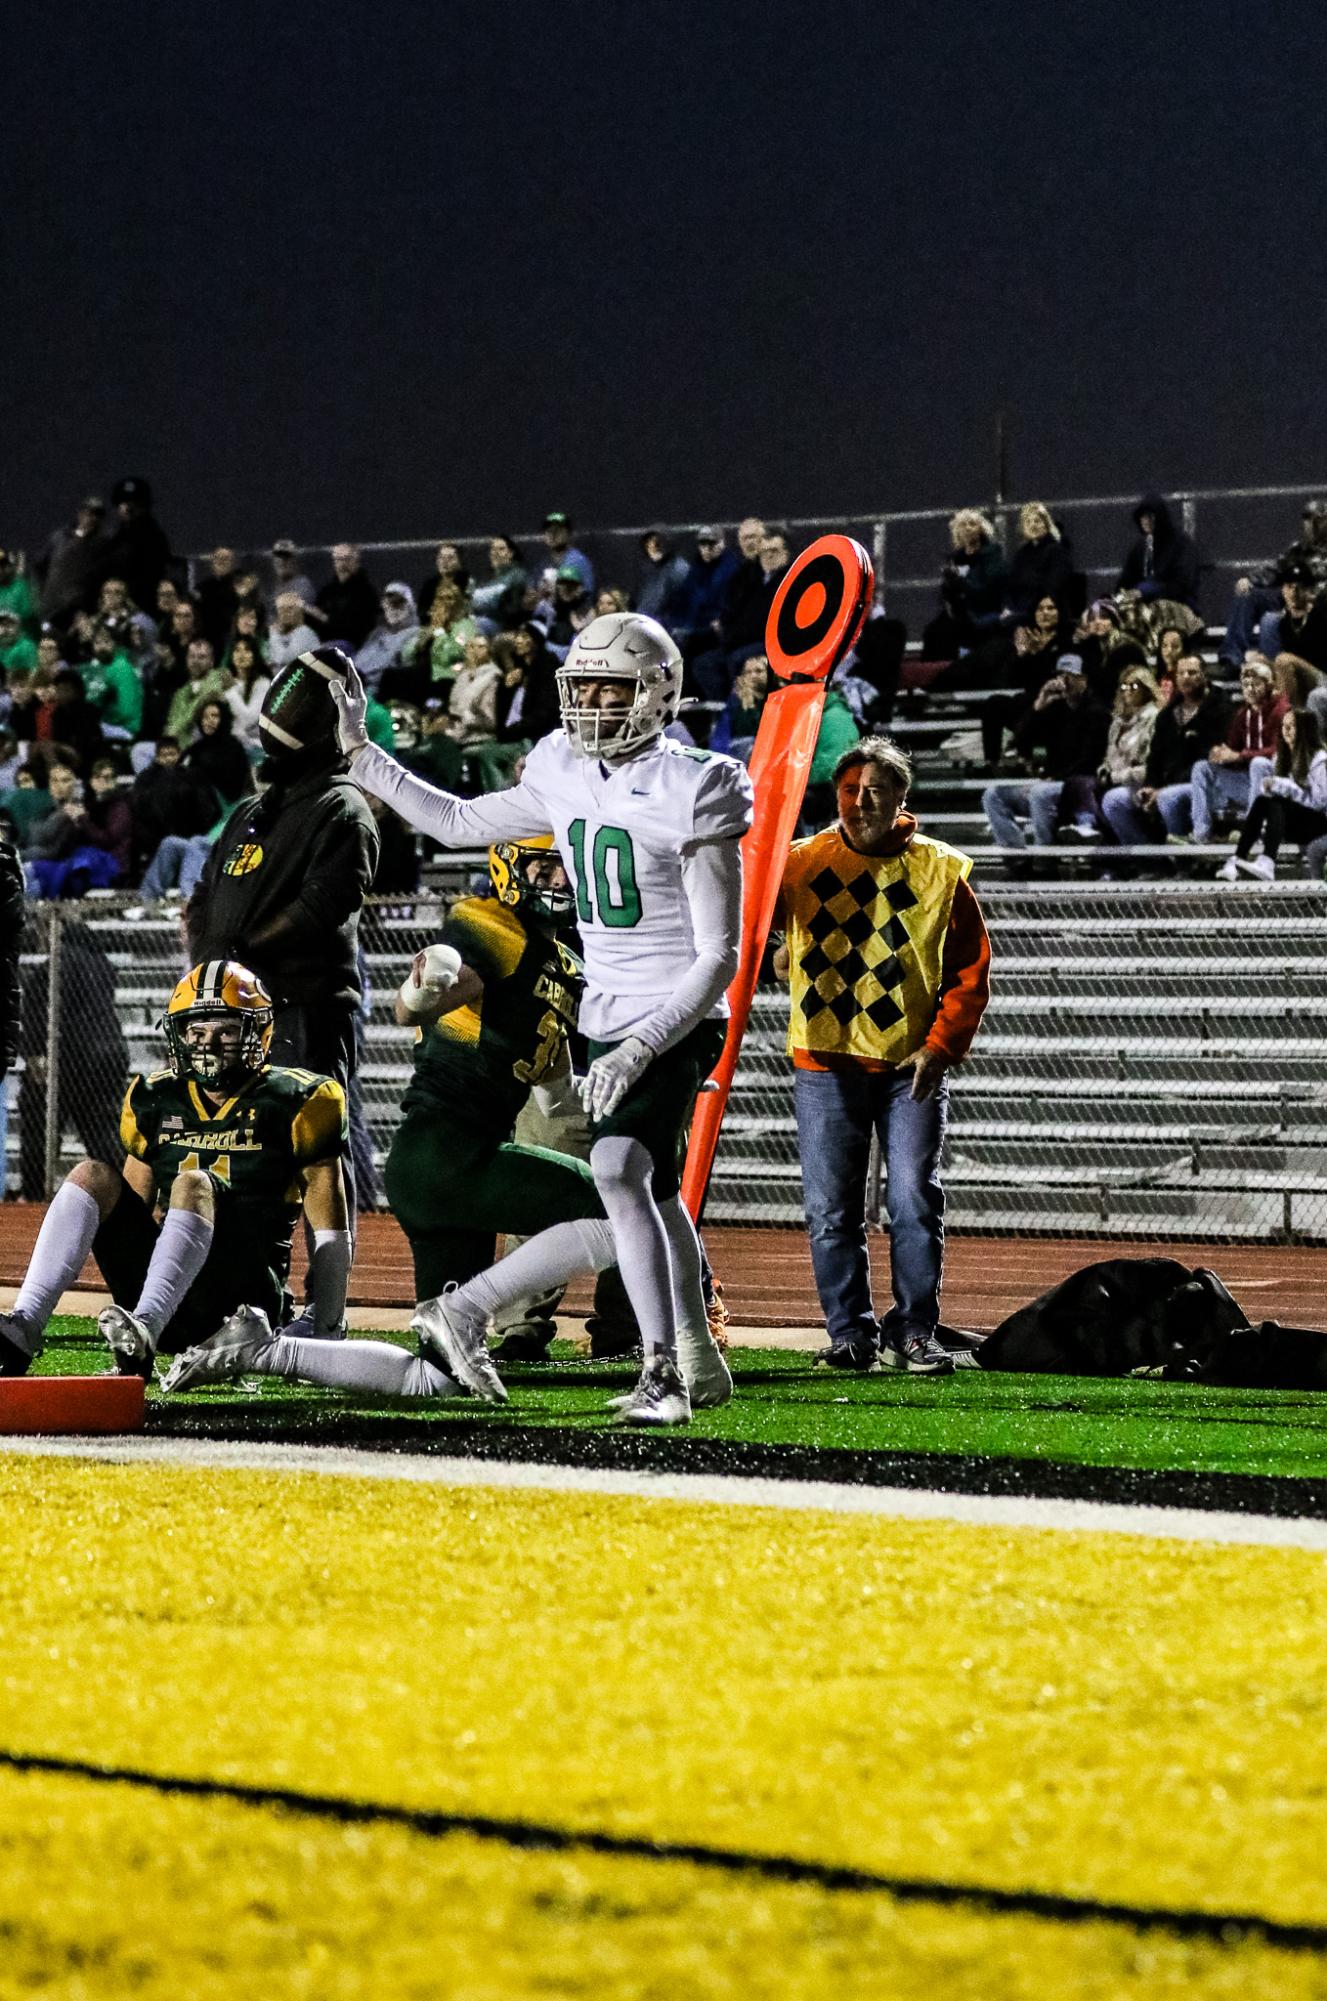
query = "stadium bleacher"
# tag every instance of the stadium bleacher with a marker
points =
(1151, 1062)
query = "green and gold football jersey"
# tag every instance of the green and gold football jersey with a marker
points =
(478, 1063)
(255, 1145)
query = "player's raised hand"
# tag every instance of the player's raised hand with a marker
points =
(351, 705)
(612, 1075)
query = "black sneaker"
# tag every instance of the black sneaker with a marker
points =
(917, 1355)
(15, 1358)
(612, 1344)
(525, 1344)
(858, 1357)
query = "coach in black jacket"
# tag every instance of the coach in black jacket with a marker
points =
(282, 893)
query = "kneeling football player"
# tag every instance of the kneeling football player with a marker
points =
(232, 1147)
(490, 1029)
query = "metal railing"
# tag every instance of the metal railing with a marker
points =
(1237, 529)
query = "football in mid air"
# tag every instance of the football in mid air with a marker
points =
(298, 713)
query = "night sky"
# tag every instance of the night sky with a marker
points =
(399, 270)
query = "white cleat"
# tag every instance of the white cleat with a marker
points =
(453, 1335)
(131, 1341)
(659, 1398)
(241, 1343)
(704, 1370)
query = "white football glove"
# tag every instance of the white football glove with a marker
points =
(611, 1076)
(351, 705)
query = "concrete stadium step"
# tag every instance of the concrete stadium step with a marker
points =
(1208, 1211)
(1145, 1161)
(1255, 987)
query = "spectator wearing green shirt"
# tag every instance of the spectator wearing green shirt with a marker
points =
(429, 664)
(735, 732)
(204, 682)
(16, 592)
(113, 687)
(378, 724)
(27, 803)
(838, 733)
(16, 649)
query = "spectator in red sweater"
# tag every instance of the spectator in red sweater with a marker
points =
(1221, 780)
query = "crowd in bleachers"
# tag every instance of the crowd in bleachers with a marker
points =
(1131, 724)
(133, 682)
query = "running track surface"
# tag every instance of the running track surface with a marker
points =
(766, 1274)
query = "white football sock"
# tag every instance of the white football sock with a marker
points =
(560, 1253)
(698, 1355)
(375, 1368)
(684, 1251)
(179, 1255)
(59, 1254)
(622, 1171)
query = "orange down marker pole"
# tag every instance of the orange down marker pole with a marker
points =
(813, 621)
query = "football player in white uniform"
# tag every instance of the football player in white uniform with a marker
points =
(649, 831)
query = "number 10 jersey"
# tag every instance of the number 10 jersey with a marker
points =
(623, 831)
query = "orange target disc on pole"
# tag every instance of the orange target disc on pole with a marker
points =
(814, 619)
(818, 610)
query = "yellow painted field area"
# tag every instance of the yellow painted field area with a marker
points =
(167, 1899)
(1103, 1717)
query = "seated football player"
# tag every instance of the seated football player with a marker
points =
(231, 1148)
(491, 1026)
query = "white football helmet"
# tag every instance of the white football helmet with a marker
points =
(620, 646)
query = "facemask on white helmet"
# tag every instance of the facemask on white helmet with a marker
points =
(635, 652)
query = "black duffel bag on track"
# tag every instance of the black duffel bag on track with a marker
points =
(1132, 1314)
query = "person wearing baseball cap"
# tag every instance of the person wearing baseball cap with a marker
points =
(138, 549)
(557, 536)
(72, 564)
(1259, 593)
(703, 596)
(1069, 724)
(1300, 627)
(287, 575)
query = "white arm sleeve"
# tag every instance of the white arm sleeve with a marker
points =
(457, 823)
(712, 881)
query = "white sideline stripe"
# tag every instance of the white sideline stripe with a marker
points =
(726, 1490)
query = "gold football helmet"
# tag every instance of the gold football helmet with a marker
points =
(220, 991)
(508, 866)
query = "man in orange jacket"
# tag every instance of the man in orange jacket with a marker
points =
(888, 962)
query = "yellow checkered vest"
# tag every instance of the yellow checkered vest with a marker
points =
(866, 934)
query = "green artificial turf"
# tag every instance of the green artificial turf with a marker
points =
(785, 1400)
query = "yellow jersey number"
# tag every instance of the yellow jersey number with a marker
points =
(552, 1035)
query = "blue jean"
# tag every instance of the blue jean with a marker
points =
(1037, 798)
(1213, 786)
(1242, 621)
(836, 1112)
(177, 864)
(1131, 826)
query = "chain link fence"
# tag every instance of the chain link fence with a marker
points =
(96, 976)
(1153, 1064)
